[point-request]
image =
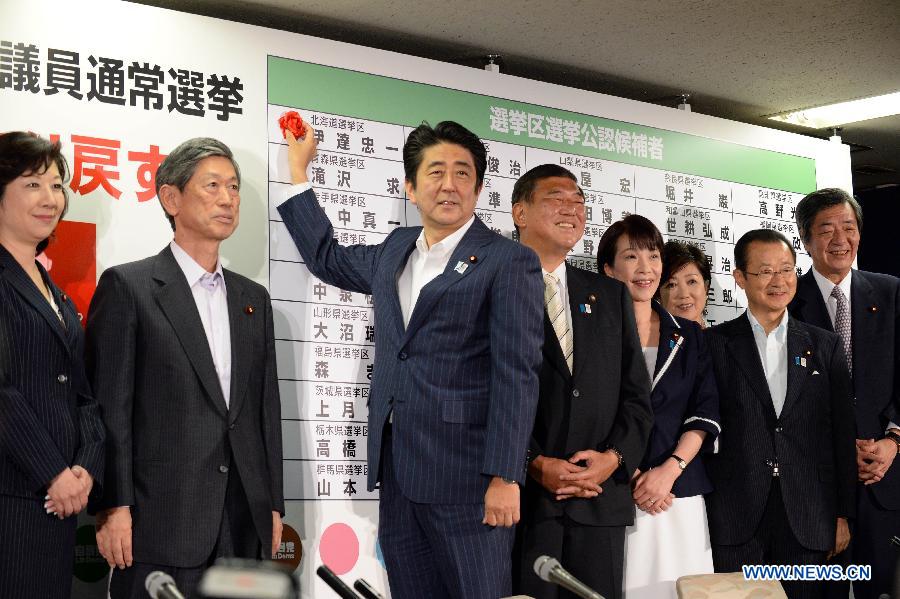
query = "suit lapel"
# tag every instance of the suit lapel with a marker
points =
(470, 245)
(670, 342)
(809, 306)
(742, 346)
(395, 263)
(864, 315)
(25, 287)
(239, 318)
(177, 303)
(799, 345)
(579, 295)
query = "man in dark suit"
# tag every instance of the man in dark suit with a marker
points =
(182, 358)
(458, 321)
(784, 475)
(864, 309)
(593, 418)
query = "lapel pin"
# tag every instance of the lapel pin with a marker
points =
(808, 353)
(461, 267)
(249, 309)
(592, 298)
(584, 308)
(873, 308)
(800, 361)
(473, 259)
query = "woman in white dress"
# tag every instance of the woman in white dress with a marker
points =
(670, 537)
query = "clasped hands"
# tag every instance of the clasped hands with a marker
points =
(68, 493)
(873, 458)
(582, 475)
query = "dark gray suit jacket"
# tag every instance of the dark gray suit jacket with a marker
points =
(48, 418)
(604, 401)
(875, 325)
(171, 439)
(812, 440)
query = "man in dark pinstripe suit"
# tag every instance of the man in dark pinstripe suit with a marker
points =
(458, 316)
(784, 477)
(182, 357)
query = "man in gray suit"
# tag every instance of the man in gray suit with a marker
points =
(181, 353)
(784, 477)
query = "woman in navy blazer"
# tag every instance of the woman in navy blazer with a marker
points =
(670, 537)
(51, 436)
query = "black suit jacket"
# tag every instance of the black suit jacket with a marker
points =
(812, 441)
(48, 418)
(604, 401)
(171, 440)
(875, 326)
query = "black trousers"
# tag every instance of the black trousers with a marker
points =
(595, 555)
(870, 535)
(773, 543)
(237, 538)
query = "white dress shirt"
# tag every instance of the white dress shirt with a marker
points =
(563, 285)
(826, 286)
(424, 264)
(772, 350)
(211, 299)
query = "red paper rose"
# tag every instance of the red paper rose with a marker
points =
(291, 121)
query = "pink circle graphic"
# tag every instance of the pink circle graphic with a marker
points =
(339, 548)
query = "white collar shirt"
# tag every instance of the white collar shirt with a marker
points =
(211, 299)
(424, 265)
(772, 350)
(825, 288)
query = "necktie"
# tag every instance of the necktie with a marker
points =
(557, 315)
(842, 324)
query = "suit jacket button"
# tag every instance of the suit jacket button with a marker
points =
(223, 469)
(576, 393)
(62, 378)
(778, 429)
(402, 355)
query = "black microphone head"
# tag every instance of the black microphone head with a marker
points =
(155, 581)
(543, 565)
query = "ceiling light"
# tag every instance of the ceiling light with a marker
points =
(843, 112)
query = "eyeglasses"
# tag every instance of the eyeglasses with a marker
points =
(767, 274)
(557, 204)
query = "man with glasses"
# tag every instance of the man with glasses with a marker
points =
(784, 476)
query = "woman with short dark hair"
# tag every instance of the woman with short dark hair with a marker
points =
(670, 537)
(685, 282)
(51, 436)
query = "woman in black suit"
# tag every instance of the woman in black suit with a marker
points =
(670, 536)
(51, 435)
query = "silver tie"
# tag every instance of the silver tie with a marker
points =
(557, 316)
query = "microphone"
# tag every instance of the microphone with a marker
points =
(365, 589)
(160, 585)
(550, 570)
(337, 585)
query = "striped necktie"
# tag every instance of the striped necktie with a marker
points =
(842, 324)
(557, 315)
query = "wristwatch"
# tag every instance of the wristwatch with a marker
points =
(893, 437)
(618, 453)
(681, 463)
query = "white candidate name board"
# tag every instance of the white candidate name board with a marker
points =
(701, 191)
